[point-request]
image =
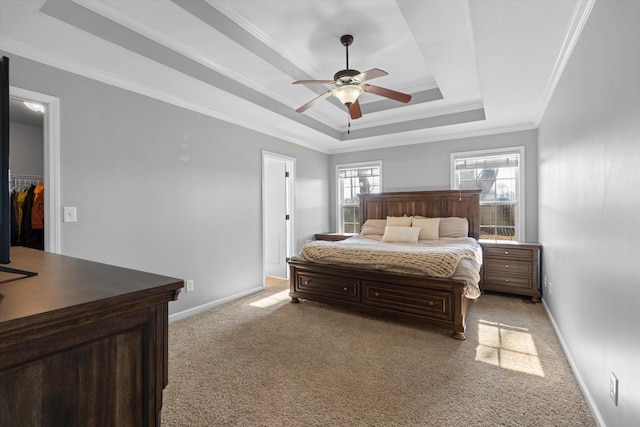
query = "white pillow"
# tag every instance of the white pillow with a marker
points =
(401, 234)
(429, 228)
(399, 221)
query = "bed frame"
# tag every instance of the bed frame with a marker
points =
(432, 301)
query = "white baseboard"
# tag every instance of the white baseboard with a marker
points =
(585, 391)
(204, 307)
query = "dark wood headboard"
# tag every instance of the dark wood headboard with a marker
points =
(464, 204)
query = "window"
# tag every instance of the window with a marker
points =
(499, 174)
(354, 179)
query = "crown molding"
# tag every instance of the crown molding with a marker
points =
(579, 18)
(417, 137)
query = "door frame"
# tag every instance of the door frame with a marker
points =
(51, 140)
(290, 191)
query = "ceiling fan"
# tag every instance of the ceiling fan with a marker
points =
(350, 84)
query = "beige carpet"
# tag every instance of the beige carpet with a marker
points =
(261, 361)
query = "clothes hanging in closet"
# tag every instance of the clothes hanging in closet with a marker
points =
(37, 212)
(27, 221)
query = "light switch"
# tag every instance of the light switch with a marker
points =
(70, 214)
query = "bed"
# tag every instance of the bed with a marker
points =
(381, 289)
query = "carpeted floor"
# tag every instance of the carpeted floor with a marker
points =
(261, 361)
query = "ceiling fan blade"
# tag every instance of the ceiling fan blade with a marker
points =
(314, 82)
(354, 110)
(387, 93)
(370, 74)
(314, 101)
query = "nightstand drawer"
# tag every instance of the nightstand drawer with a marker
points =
(508, 281)
(504, 253)
(508, 266)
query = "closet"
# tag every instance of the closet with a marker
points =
(26, 180)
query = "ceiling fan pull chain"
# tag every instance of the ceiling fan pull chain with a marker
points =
(348, 124)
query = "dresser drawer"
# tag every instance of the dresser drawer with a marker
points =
(342, 288)
(435, 304)
(508, 266)
(504, 253)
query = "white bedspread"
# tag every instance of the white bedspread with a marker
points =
(452, 258)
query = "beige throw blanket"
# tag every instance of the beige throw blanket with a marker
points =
(435, 261)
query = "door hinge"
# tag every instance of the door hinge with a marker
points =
(286, 217)
(286, 174)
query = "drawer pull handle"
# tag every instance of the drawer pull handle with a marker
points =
(506, 280)
(346, 288)
(376, 294)
(506, 266)
(430, 302)
(506, 252)
(306, 282)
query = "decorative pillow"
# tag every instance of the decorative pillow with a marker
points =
(454, 226)
(429, 228)
(399, 221)
(373, 226)
(401, 234)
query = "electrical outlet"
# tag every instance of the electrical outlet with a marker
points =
(613, 388)
(189, 285)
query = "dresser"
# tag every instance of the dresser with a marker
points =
(82, 343)
(511, 267)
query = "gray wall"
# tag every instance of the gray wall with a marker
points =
(589, 208)
(427, 167)
(26, 152)
(163, 189)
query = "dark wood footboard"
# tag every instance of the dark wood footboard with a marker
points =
(431, 301)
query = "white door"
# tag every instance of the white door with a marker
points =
(276, 215)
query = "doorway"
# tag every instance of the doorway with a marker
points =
(277, 208)
(50, 165)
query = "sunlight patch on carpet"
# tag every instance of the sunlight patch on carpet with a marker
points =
(508, 347)
(271, 299)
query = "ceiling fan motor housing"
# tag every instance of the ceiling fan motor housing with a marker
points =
(345, 77)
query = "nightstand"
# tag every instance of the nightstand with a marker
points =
(511, 267)
(333, 236)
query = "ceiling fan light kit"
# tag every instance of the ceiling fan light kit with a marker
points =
(348, 94)
(350, 84)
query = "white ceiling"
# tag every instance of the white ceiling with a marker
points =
(473, 67)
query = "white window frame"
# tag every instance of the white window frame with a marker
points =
(520, 180)
(339, 218)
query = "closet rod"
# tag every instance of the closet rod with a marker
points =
(27, 177)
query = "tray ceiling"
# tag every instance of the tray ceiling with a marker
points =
(473, 67)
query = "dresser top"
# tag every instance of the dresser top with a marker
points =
(66, 285)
